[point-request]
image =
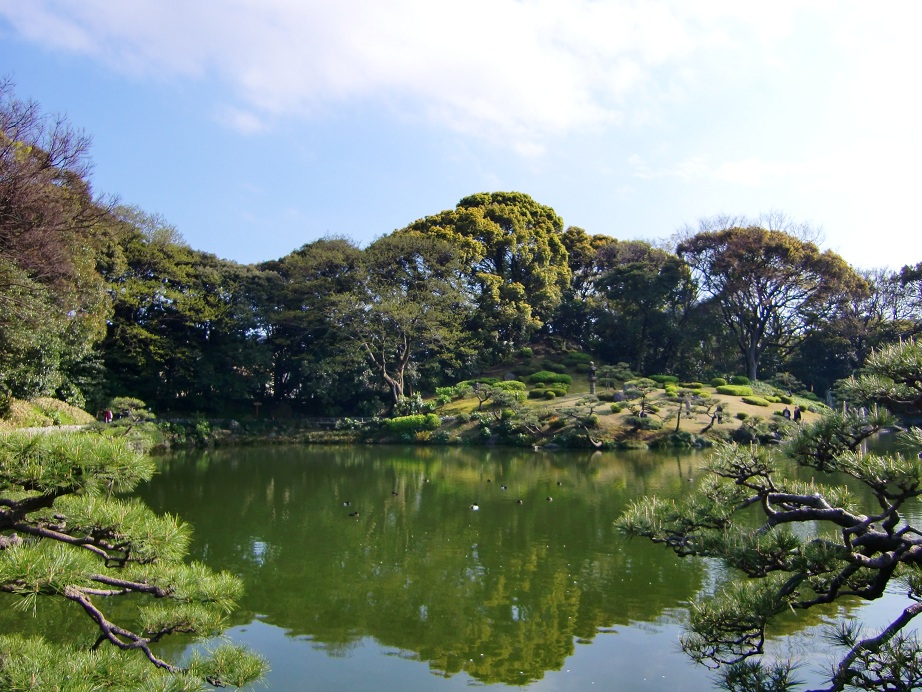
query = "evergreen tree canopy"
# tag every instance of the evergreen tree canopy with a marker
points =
(817, 542)
(65, 534)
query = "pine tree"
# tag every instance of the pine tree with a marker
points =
(815, 543)
(66, 533)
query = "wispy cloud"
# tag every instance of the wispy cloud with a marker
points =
(501, 69)
(513, 72)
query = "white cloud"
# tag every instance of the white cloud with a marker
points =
(501, 69)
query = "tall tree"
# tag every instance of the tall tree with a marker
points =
(407, 307)
(52, 303)
(577, 316)
(817, 543)
(515, 258)
(185, 333)
(313, 363)
(770, 285)
(834, 348)
(647, 293)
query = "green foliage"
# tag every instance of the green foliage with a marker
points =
(84, 545)
(511, 386)
(643, 422)
(511, 256)
(691, 385)
(617, 407)
(663, 379)
(755, 400)
(412, 424)
(526, 352)
(735, 390)
(740, 379)
(550, 394)
(548, 377)
(718, 382)
(577, 358)
(816, 544)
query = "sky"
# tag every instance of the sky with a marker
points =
(257, 126)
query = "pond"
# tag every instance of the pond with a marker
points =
(431, 568)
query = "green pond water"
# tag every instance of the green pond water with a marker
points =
(420, 591)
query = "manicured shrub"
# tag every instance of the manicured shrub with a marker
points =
(645, 423)
(550, 394)
(479, 380)
(617, 408)
(740, 379)
(412, 424)
(537, 393)
(671, 389)
(575, 357)
(663, 379)
(462, 418)
(718, 382)
(773, 399)
(558, 390)
(735, 390)
(554, 367)
(526, 352)
(511, 386)
(742, 415)
(785, 399)
(549, 377)
(692, 385)
(755, 400)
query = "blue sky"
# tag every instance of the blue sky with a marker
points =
(255, 126)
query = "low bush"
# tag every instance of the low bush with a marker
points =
(548, 377)
(663, 379)
(740, 379)
(558, 390)
(412, 424)
(575, 357)
(742, 415)
(755, 400)
(617, 408)
(550, 394)
(537, 393)
(785, 399)
(511, 386)
(550, 365)
(718, 382)
(692, 385)
(526, 352)
(735, 390)
(643, 423)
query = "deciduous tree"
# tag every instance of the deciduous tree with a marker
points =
(407, 307)
(770, 285)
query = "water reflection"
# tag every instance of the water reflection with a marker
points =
(503, 593)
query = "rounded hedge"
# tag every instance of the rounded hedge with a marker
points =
(548, 377)
(755, 400)
(735, 390)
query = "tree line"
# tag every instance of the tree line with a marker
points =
(99, 299)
